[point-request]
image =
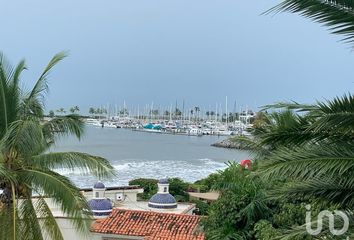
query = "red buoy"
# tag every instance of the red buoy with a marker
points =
(246, 162)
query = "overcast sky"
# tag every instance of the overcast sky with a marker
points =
(166, 50)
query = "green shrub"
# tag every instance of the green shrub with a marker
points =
(149, 185)
(178, 188)
(202, 206)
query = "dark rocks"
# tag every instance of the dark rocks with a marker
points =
(227, 143)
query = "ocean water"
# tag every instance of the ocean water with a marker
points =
(150, 155)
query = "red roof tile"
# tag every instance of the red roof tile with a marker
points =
(150, 225)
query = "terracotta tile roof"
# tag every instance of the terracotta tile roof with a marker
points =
(150, 225)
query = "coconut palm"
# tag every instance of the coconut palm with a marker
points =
(337, 15)
(61, 111)
(76, 108)
(51, 113)
(26, 166)
(91, 110)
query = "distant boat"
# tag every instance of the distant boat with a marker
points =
(222, 131)
(94, 122)
(207, 131)
(152, 127)
(195, 132)
(110, 125)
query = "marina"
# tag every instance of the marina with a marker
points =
(179, 125)
(137, 154)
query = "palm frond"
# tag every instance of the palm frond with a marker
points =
(337, 190)
(9, 94)
(255, 210)
(251, 144)
(63, 126)
(41, 85)
(337, 15)
(25, 136)
(21, 66)
(290, 106)
(46, 219)
(335, 116)
(285, 128)
(33, 104)
(73, 161)
(29, 225)
(64, 193)
(306, 162)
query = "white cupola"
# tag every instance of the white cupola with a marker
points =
(98, 190)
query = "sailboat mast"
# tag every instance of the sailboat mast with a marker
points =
(227, 114)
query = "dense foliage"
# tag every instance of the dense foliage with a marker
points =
(178, 188)
(303, 155)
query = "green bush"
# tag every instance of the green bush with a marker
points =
(202, 206)
(149, 185)
(178, 188)
(206, 184)
(265, 231)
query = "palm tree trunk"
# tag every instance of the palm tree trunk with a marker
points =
(14, 209)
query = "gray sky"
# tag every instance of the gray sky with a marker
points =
(168, 50)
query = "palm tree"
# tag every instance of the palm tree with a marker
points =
(196, 111)
(61, 111)
(27, 168)
(92, 111)
(124, 112)
(74, 109)
(51, 113)
(337, 15)
(212, 113)
(207, 114)
(178, 112)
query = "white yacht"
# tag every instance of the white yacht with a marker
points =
(195, 132)
(94, 122)
(222, 131)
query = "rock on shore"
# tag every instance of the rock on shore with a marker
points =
(227, 143)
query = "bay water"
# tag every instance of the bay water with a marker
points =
(150, 155)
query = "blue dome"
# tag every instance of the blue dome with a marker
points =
(100, 207)
(163, 181)
(160, 200)
(99, 185)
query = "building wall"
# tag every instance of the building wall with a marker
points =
(69, 232)
(128, 195)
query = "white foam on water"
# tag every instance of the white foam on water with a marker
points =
(129, 169)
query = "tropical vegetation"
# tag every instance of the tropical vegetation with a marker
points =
(27, 176)
(178, 188)
(303, 154)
